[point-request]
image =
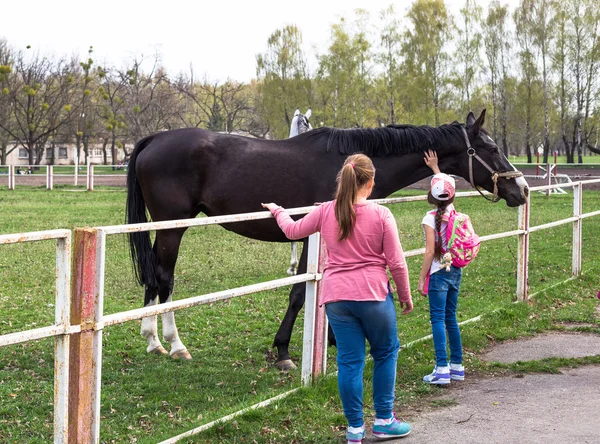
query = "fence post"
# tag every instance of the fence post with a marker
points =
(548, 178)
(90, 177)
(49, 177)
(62, 316)
(310, 304)
(86, 345)
(321, 324)
(76, 164)
(523, 253)
(577, 210)
(11, 177)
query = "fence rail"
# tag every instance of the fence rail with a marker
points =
(79, 317)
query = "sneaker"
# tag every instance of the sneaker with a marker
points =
(457, 372)
(394, 429)
(355, 438)
(439, 376)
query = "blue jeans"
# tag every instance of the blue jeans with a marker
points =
(444, 287)
(353, 322)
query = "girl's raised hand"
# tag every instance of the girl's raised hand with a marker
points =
(431, 160)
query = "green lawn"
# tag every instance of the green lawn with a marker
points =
(150, 398)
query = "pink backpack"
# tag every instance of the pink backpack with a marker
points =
(463, 242)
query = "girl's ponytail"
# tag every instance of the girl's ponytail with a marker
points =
(441, 209)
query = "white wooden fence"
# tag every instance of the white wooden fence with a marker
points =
(79, 318)
(13, 173)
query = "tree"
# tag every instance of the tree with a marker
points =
(389, 59)
(542, 27)
(110, 110)
(6, 62)
(497, 44)
(39, 92)
(425, 43)
(467, 52)
(151, 104)
(525, 39)
(283, 79)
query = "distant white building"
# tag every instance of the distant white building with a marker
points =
(65, 154)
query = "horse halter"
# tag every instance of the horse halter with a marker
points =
(495, 174)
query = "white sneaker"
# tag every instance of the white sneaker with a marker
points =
(439, 376)
(457, 372)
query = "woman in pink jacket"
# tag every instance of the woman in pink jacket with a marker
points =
(362, 243)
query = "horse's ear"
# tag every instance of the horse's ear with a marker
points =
(296, 112)
(470, 119)
(475, 125)
(308, 113)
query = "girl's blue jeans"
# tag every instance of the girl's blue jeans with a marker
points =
(444, 287)
(353, 322)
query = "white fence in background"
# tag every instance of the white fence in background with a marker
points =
(89, 172)
(80, 320)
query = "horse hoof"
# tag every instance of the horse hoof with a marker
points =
(291, 272)
(285, 365)
(160, 350)
(182, 354)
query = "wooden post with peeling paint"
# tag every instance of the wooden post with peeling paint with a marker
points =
(83, 306)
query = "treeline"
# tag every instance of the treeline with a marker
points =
(535, 69)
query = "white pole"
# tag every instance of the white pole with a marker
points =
(76, 163)
(90, 177)
(11, 177)
(523, 253)
(577, 207)
(62, 343)
(310, 306)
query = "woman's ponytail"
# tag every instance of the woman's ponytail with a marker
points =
(355, 173)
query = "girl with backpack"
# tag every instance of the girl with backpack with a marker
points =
(440, 280)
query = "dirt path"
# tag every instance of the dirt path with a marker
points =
(532, 408)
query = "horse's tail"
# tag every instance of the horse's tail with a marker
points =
(142, 255)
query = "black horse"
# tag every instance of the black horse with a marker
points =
(181, 173)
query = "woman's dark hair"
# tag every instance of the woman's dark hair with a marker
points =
(441, 209)
(357, 170)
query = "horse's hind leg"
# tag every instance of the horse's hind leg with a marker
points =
(149, 329)
(167, 248)
(284, 334)
(293, 260)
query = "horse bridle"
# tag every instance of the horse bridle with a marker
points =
(495, 174)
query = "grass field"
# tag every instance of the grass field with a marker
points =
(150, 398)
(590, 159)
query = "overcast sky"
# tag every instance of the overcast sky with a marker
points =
(219, 38)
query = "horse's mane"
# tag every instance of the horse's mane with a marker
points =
(388, 140)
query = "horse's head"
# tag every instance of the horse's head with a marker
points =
(300, 123)
(483, 165)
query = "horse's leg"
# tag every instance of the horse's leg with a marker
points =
(149, 329)
(293, 260)
(284, 334)
(282, 338)
(167, 248)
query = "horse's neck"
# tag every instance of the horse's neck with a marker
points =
(397, 172)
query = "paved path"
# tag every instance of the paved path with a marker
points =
(534, 408)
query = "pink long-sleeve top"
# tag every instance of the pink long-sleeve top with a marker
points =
(356, 267)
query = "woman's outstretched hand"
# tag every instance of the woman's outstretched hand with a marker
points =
(270, 206)
(431, 160)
